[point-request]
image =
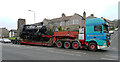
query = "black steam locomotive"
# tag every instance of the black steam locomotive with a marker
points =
(34, 32)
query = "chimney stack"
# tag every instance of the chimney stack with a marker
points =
(63, 15)
(84, 14)
(92, 15)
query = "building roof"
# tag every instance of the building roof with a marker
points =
(61, 18)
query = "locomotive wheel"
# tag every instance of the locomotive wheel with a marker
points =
(75, 45)
(59, 44)
(67, 45)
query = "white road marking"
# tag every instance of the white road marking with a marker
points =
(44, 48)
(112, 56)
(78, 52)
(115, 36)
(114, 49)
(107, 59)
(84, 53)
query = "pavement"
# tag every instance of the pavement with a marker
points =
(27, 52)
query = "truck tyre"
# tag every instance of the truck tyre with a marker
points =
(59, 44)
(92, 46)
(75, 45)
(66, 45)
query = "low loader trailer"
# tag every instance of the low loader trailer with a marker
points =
(92, 37)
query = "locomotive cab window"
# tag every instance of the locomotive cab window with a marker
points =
(97, 28)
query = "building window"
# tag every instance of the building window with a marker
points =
(55, 23)
(75, 21)
(68, 22)
(62, 23)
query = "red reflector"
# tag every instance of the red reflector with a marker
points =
(108, 43)
(85, 43)
(48, 36)
(43, 36)
(81, 47)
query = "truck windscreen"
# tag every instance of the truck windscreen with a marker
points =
(105, 27)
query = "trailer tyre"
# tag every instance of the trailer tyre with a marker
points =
(67, 45)
(75, 45)
(92, 46)
(13, 41)
(59, 44)
(19, 42)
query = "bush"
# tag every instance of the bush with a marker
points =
(59, 28)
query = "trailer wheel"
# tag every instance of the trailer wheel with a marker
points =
(59, 44)
(13, 42)
(92, 46)
(67, 45)
(19, 42)
(75, 45)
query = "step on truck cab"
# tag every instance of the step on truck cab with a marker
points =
(96, 34)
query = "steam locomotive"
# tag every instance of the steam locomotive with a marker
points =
(34, 32)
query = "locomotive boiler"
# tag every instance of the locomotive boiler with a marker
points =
(34, 32)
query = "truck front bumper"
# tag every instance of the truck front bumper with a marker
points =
(102, 47)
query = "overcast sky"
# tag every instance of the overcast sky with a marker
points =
(12, 10)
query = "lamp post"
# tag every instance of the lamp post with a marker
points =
(34, 14)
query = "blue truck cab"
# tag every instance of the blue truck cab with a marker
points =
(96, 34)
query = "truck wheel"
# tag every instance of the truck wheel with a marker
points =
(67, 45)
(92, 46)
(75, 45)
(59, 44)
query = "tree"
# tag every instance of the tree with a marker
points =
(59, 28)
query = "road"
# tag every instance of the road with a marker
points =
(27, 52)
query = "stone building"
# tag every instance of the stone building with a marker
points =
(73, 22)
(20, 23)
(113, 23)
(4, 32)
